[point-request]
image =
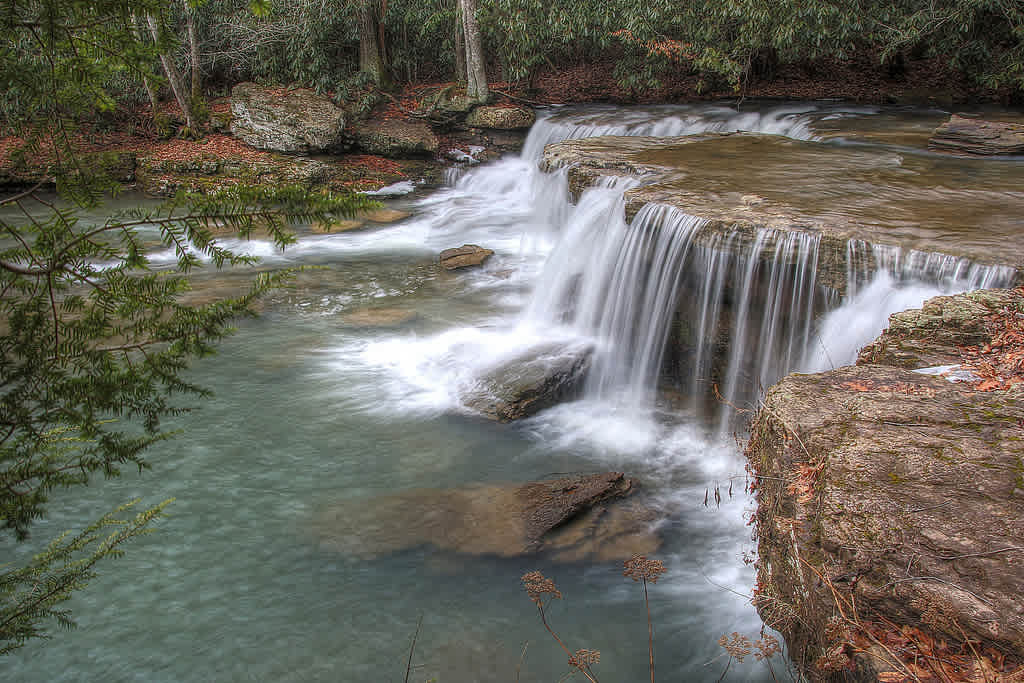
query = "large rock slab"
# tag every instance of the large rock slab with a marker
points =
(746, 184)
(574, 518)
(890, 499)
(529, 382)
(295, 121)
(978, 137)
(397, 139)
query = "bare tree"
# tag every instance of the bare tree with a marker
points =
(154, 102)
(476, 81)
(173, 76)
(193, 50)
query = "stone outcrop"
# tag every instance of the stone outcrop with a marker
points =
(931, 335)
(466, 256)
(501, 118)
(978, 137)
(396, 139)
(529, 382)
(163, 177)
(297, 121)
(671, 173)
(890, 497)
(581, 518)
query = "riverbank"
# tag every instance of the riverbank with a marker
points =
(890, 500)
(139, 149)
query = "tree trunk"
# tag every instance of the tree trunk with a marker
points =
(174, 78)
(193, 52)
(370, 56)
(460, 46)
(476, 85)
(150, 90)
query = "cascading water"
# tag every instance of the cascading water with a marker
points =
(707, 312)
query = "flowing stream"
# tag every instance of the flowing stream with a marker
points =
(316, 406)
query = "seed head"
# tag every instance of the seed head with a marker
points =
(537, 586)
(584, 658)
(640, 568)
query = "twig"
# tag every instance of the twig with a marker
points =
(521, 658)
(521, 99)
(991, 552)
(408, 666)
(935, 578)
(725, 588)
(940, 505)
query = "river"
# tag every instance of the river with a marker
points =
(314, 409)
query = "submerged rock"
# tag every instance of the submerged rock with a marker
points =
(536, 379)
(379, 317)
(577, 518)
(501, 118)
(386, 215)
(294, 121)
(466, 256)
(978, 137)
(326, 228)
(894, 496)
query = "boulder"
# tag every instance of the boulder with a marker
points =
(895, 498)
(396, 139)
(575, 518)
(962, 135)
(501, 118)
(529, 382)
(466, 256)
(296, 121)
(446, 105)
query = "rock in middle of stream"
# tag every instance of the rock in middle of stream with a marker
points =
(531, 381)
(575, 518)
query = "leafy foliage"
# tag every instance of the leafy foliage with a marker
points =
(93, 338)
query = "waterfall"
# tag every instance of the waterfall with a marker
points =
(793, 122)
(665, 301)
(883, 280)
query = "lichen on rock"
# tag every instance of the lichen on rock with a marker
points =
(296, 121)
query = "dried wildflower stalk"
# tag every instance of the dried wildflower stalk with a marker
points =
(539, 587)
(639, 568)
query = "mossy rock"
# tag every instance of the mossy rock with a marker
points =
(501, 118)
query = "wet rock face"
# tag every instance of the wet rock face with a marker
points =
(530, 382)
(898, 492)
(466, 256)
(501, 118)
(397, 139)
(575, 518)
(299, 121)
(978, 137)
